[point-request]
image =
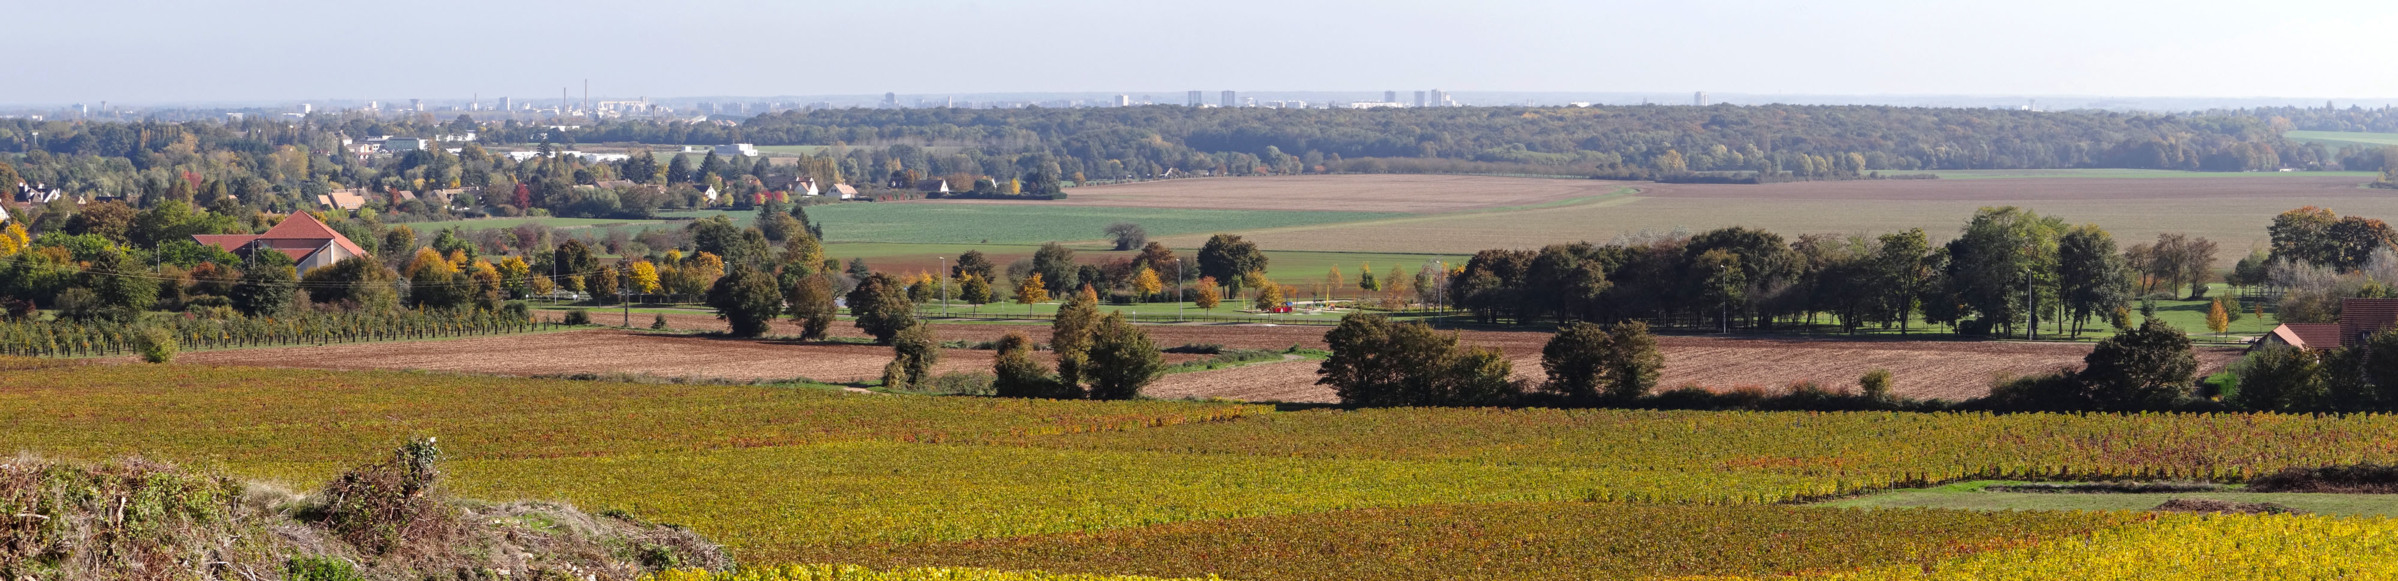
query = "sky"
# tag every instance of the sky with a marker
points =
(198, 51)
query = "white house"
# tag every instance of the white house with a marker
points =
(846, 192)
(737, 149)
(711, 194)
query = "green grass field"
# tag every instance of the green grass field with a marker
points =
(1990, 174)
(2347, 138)
(1031, 223)
(1973, 496)
(490, 223)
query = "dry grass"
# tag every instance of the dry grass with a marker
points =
(2230, 211)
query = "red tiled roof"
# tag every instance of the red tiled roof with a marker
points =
(2309, 335)
(298, 236)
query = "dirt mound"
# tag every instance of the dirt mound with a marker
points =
(2355, 479)
(2223, 506)
(135, 519)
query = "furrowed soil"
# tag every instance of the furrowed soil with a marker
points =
(601, 351)
(1922, 369)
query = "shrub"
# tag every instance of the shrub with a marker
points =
(914, 352)
(578, 316)
(658, 323)
(382, 506)
(1122, 359)
(1017, 374)
(1875, 384)
(320, 568)
(2145, 368)
(157, 344)
(517, 310)
(1378, 362)
(964, 383)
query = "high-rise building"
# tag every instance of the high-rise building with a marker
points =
(1123, 100)
(1441, 99)
(890, 100)
(1197, 100)
(507, 104)
(1698, 99)
(1390, 96)
(1230, 100)
(1419, 98)
(307, 108)
(416, 104)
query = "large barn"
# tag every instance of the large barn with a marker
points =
(308, 241)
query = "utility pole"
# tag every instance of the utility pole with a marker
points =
(1178, 274)
(2031, 314)
(942, 271)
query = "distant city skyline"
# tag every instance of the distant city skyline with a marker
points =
(159, 52)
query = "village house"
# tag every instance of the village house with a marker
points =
(2359, 318)
(308, 241)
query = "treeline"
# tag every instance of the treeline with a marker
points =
(279, 166)
(2006, 266)
(1375, 362)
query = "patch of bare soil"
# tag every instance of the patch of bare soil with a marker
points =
(1953, 370)
(2020, 190)
(601, 351)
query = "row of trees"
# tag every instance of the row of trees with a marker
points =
(1375, 361)
(1978, 283)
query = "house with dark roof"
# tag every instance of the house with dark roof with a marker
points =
(308, 241)
(2359, 318)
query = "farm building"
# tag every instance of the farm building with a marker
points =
(845, 191)
(2359, 318)
(302, 237)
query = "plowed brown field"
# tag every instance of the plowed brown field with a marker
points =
(600, 351)
(1942, 369)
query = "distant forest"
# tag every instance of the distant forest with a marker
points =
(1029, 151)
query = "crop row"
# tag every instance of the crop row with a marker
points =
(250, 415)
(855, 573)
(112, 337)
(2182, 547)
(771, 504)
(1508, 541)
(1879, 447)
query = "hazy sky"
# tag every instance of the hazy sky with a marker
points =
(152, 51)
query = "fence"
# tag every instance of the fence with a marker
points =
(104, 338)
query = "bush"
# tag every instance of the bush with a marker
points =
(1017, 374)
(518, 310)
(382, 506)
(1379, 362)
(658, 323)
(320, 568)
(964, 383)
(1875, 384)
(578, 317)
(157, 344)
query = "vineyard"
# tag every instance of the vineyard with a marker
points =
(61, 338)
(914, 488)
